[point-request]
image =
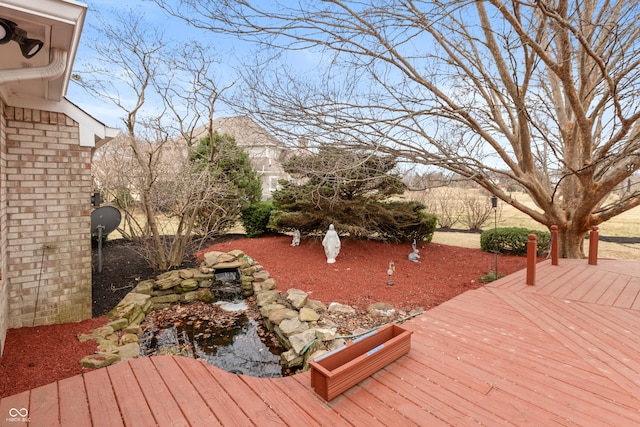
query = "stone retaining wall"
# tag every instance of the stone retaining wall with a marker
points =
(118, 340)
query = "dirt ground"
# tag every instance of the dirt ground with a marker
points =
(43, 354)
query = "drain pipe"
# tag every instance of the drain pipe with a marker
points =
(54, 69)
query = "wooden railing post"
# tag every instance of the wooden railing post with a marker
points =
(593, 246)
(532, 252)
(554, 245)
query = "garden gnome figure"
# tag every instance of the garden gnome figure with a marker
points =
(296, 238)
(414, 256)
(331, 243)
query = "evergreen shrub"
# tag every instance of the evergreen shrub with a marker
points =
(255, 218)
(513, 240)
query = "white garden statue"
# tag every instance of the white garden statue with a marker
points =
(331, 243)
(414, 256)
(296, 238)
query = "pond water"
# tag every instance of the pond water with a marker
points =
(223, 334)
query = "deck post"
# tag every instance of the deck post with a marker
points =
(532, 252)
(554, 245)
(593, 246)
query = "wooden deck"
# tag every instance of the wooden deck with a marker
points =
(564, 352)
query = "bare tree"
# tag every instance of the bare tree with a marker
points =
(477, 210)
(164, 93)
(544, 93)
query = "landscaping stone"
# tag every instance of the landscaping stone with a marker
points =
(133, 329)
(118, 324)
(268, 284)
(315, 347)
(336, 343)
(129, 338)
(226, 265)
(326, 334)
(293, 326)
(129, 351)
(189, 284)
(296, 298)
(291, 359)
(171, 298)
(316, 305)
(299, 341)
(167, 283)
(128, 307)
(383, 309)
(107, 346)
(144, 287)
(260, 276)
(186, 273)
(308, 315)
(278, 316)
(99, 360)
(267, 297)
(266, 310)
(335, 307)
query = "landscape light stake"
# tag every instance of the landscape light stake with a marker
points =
(392, 268)
(494, 205)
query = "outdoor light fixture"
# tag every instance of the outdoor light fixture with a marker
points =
(9, 31)
(5, 31)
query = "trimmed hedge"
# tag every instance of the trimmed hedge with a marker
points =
(513, 240)
(256, 217)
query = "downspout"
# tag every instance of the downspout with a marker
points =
(53, 70)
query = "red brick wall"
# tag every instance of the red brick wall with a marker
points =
(47, 224)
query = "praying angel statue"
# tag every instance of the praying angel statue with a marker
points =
(331, 243)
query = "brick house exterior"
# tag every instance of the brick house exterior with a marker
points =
(46, 145)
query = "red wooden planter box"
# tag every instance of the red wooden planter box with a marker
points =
(337, 371)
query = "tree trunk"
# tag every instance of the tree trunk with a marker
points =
(571, 243)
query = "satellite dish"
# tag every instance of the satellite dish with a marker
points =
(104, 220)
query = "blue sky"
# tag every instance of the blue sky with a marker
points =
(178, 31)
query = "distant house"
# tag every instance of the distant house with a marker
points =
(265, 151)
(46, 146)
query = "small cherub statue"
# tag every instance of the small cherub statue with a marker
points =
(414, 256)
(296, 238)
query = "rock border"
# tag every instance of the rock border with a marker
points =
(294, 318)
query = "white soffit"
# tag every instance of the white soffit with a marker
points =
(58, 23)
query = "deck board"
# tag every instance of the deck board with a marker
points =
(74, 408)
(246, 398)
(15, 408)
(216, 397)
(191, 404)
(131, 401)
(43, 405)
(103, 404)
(162, 405)
(348, 409)
(565, 351)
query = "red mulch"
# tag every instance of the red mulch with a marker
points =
(359, 276)
(43, 354)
